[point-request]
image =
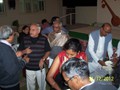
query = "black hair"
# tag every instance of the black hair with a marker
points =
(73, 44)
(53, 19)
(106, 24)
(44, 21)
(24, 27)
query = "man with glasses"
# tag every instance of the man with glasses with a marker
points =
(99, 44)
(49, 29)
(76, 74)
(57, 39)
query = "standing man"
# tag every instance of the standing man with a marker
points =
(99, 44)
(38, 50)
(10, 66)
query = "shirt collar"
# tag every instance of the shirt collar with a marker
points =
(5, 42)
(87, 85)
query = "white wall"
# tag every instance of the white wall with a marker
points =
(86, 15)
(27, 18)
(89, 15)
(103, 14)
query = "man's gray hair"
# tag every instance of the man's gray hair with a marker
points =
(76, 66)
(5, 32)
(39, 27)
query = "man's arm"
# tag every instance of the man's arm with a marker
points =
(91, 49)
(23, 49)
(110, 50)
(118, 50)
(47, 52)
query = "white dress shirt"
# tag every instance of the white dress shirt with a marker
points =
(118, 49)
(5, 42)
(100, 49)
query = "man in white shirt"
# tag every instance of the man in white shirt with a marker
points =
(118, 49)
(99, 44)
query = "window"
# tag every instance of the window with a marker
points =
(74, 3)
(11, 4)
(32, 5)
(2, 8)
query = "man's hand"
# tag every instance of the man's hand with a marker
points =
(27, 51)
(19, 54)
(114, 55)
(26, 58)
(41, 63)
(101, 63)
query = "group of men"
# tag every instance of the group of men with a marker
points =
(34, 49)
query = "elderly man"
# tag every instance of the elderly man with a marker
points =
(49, 29)
(57, 39)
(99, 44)
(10, 65)
(76, 75)
(37, 50)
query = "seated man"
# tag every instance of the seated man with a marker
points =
(57, 39)
(76, 74)
(49, 29)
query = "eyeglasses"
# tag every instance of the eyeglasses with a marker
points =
(69, 79)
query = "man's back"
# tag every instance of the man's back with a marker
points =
(99, 86)
(9, 71)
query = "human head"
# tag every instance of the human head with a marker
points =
(35, 30)
(57, 27)
(6, 33)
(44, 21)
(75, 73)
(105, 29)
(54, 19)
(25, 29)
(72, 47)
